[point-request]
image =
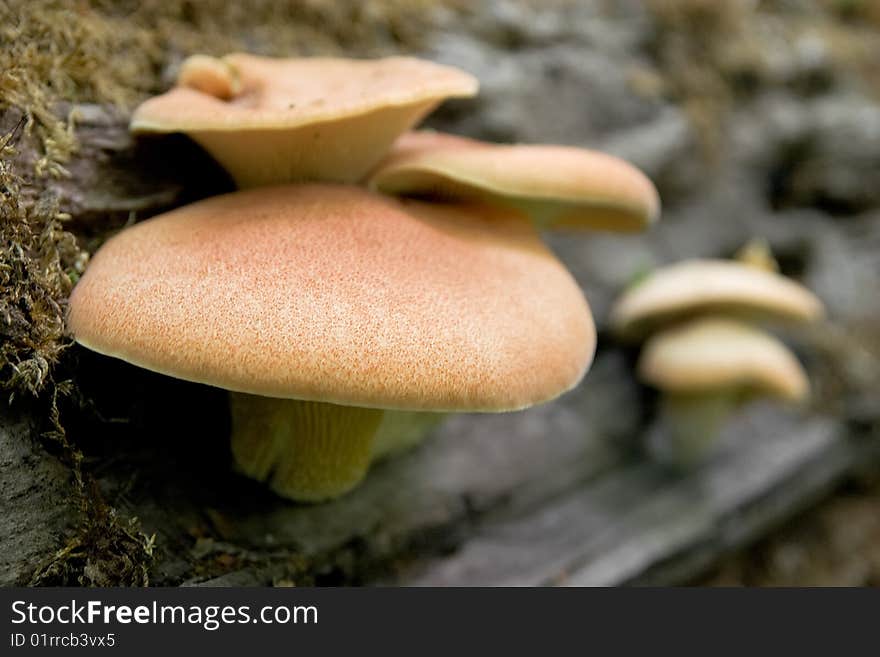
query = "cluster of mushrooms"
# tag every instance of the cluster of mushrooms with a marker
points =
(704, 350)
(366, 279)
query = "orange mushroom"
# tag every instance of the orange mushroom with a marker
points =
(558, 186)
(281, 120)
(337, 316)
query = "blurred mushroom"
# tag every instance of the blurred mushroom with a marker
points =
(279, 120)
(757, 253)
(336, 315)
(710, 287)
(558, 186)
(706, 368)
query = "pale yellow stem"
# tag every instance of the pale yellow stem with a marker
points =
(690, 424)
(401, 430)
(307, 451)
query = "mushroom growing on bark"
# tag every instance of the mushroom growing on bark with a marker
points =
(335, 317)
(270, 120)
(346, 323)
(558, 186)
(705, 369)
(703, 354)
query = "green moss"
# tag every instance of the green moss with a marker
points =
(38, 260)
(107, 551)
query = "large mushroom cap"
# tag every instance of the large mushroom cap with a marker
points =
(279, 120)
(562, 187)
(332, 293)
(723, 286)
(711, 354)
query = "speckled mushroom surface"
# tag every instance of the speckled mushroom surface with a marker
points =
(332, 293)
(716, 286)
(270, 120)
(563, 187)
(713, 353)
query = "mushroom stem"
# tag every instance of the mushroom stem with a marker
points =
(689, 426)
(256, 158)
(307, 451)
(313, 451)
(401, 430)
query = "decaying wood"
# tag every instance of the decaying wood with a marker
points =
(636, 524)
(35, 487)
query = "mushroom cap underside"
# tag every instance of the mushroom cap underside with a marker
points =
(562, 186)
(288, 93)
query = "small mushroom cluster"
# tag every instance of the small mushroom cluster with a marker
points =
(703, 350)
(368, 279)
